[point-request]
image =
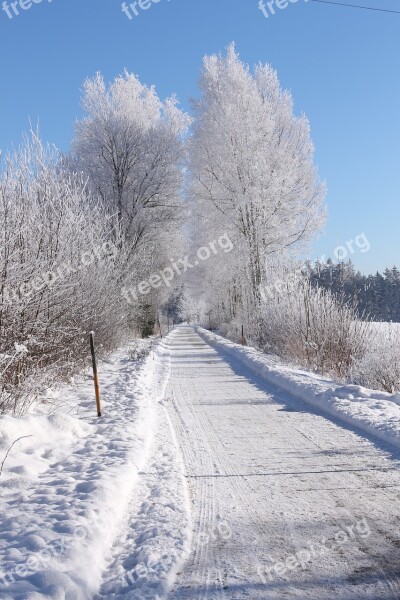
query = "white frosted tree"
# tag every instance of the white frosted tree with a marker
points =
(59, 272)
(252, 169)
(131, 145)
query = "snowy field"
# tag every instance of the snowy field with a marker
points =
(386, 328)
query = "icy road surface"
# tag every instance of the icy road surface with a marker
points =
(286, 503)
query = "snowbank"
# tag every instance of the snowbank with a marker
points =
(67, 488)
(375, 413)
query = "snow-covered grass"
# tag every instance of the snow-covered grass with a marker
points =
(72, 486)
(312, 327)
(374, 412)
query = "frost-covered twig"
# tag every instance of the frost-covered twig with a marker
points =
(10, 448)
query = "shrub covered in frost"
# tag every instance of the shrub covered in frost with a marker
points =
(313, 328)
(379, 368)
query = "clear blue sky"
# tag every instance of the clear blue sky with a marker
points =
(341, 64)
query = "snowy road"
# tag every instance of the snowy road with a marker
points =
(201, 480)
(286, 503)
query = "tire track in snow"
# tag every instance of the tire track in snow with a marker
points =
(262, 454)
(194, 452)
(201, 429)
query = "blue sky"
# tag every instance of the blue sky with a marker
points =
(341, 64)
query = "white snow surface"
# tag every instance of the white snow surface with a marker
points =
(374, 412)
(214, 474)
(287, 503)
(94, 508)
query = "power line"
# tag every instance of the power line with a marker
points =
(357, 6)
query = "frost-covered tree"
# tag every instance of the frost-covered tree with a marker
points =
(130, 144)
(60, 266)
(252, 169)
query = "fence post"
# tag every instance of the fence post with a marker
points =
(95, 376)
(159, 326)
(243, 341)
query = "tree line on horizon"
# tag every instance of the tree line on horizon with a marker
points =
(377, 297)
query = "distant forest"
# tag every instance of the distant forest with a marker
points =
(377, 296)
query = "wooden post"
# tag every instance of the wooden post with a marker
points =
(159, 325)
(243, 341)
(95, 376)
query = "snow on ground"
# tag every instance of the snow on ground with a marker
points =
(286, 502)
(82, 510)
(208, 477)
(385, 327)
(376, 413)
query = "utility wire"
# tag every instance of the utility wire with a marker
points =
(357, 6)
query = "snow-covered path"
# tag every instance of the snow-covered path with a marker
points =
(201, 481)
(95, 508)
(286, 503)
